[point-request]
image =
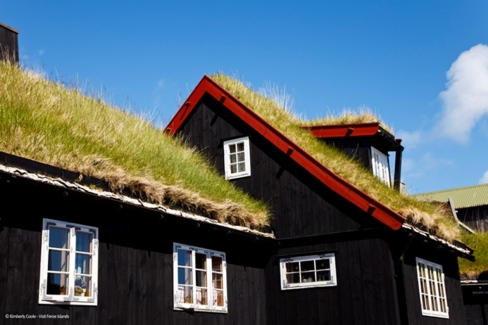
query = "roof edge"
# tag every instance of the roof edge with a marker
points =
(343, 130)
(9, 28)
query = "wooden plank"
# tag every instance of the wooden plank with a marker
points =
(4, 253)
(14, 272)
(368, 290)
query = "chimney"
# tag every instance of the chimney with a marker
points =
(9, 45)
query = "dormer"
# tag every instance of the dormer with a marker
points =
(369, 143)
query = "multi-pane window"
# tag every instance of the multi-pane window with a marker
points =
(237, 158)
(432, 289)
(308, 271)
(69, 264)
(380, 165)
(199, 279)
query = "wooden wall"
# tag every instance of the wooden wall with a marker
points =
(301, 205)
(358, 148)
(412, 308)
(475, 217)
(9, 47)
(476, 314)
(135, 260)
(365, 291)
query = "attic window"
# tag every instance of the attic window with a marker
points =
(380, 165)
(308, 271)
(200, 279)
(237, 160)
(69, 264)
(432, 289)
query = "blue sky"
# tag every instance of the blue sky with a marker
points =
(421, 65)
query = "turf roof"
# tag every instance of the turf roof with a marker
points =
(428, 216)
(44, 121)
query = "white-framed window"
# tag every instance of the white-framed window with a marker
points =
(200, 279)
(381, 168)
(237, 158)
(69, 264)
(308, 271)
(432, 289)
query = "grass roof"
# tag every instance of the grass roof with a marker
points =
(349, 116)
(426, 215)
(478, 241)
(46, 122)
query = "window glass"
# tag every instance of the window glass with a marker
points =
(69, 262)
(381, 167)
(432, 289)
(308, 271)
(199, 279)
(237, 158)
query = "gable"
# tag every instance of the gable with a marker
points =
(324, 175)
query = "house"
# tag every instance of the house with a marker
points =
(86, 238)
(91, 233)
(470, 204)
(344, 257)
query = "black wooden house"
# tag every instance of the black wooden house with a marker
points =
(342, 257)
(72, 251)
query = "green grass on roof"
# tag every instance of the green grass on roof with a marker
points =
(349, 116)
(46, 122)
(478, 241)
(424, 214)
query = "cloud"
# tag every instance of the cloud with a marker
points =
(484, 178)
(465, 101)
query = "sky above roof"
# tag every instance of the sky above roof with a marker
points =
(422, 66)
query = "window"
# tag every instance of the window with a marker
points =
(200, 281)
(381, 167)
(432, 289)
(69, 264)
(308, 271)
(237, 161)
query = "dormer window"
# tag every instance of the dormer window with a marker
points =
(237, 160)
(380, 165)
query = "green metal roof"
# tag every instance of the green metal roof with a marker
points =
(463, 197)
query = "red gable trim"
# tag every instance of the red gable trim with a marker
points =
(343, 130)
(339, 185)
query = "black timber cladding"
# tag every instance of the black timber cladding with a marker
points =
(405, 262)
(135, 259)
(9, 46)
(304, 208)
(301, 205)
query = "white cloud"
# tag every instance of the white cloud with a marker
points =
(484, 178)
(410, 140)
(465, 101)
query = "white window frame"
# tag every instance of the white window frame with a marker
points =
(227, 159)
(74, 291)
(432, 289)
(381, 166)
(328, 283)
(180, 302)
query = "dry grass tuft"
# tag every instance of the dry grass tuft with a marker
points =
(424, 214)
(46, 122)
(350, 116)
